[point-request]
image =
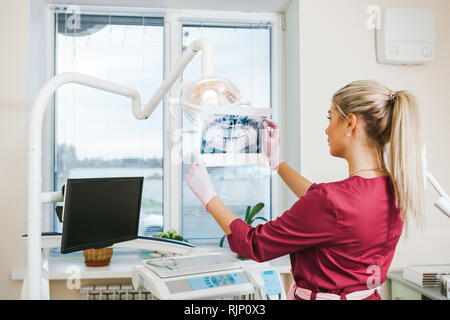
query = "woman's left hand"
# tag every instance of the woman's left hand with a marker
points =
(270, 143)
(200, 183)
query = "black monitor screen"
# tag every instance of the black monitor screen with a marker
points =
(100, 212)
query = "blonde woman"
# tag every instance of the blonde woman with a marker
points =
(341, 236)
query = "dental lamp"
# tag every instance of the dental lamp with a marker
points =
(207, 90)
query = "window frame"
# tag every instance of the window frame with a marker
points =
(176, 19)
(173, 24)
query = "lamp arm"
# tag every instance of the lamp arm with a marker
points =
(443, 203)
(186, 57)
(35, 196)
(436, 186)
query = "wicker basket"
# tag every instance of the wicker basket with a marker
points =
(97, 257)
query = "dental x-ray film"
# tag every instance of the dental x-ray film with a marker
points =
(232, 136)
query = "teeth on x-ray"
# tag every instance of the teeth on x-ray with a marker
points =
(231, 134)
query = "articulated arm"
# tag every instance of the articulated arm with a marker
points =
(443, 203)
(35, 196)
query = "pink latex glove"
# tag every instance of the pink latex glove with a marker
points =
(271, 144)
(199, 181)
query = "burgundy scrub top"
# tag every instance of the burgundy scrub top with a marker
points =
(341, 236)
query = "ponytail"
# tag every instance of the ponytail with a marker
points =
(405, 156)
(392, 123)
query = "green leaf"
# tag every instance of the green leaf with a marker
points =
(222, 240)
(247, 213)
(257, 208)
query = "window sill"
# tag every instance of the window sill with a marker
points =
(61, 268)
(121, 266)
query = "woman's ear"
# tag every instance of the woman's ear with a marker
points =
(351, 123)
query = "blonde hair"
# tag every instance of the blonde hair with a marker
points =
(393, 125)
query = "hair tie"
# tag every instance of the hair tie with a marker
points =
(393, 95)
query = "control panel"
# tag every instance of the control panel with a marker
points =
(272, 285)
(208, 282)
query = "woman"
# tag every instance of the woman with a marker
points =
(340, 236)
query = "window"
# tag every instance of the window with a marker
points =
(96, 134)
(243, 55)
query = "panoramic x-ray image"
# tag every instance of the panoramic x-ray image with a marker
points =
(223, 133)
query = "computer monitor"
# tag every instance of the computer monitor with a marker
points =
(99, 212)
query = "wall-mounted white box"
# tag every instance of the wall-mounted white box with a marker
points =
(406, 36)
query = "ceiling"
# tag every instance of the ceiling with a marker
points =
(221, 5)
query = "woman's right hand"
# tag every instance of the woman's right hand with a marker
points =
(271, 148)
(271, 139)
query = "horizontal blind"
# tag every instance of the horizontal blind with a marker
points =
(96, 134)
(241, 54)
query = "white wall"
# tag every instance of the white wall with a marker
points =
(292, 125)
(337, 48)
(13, 127)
